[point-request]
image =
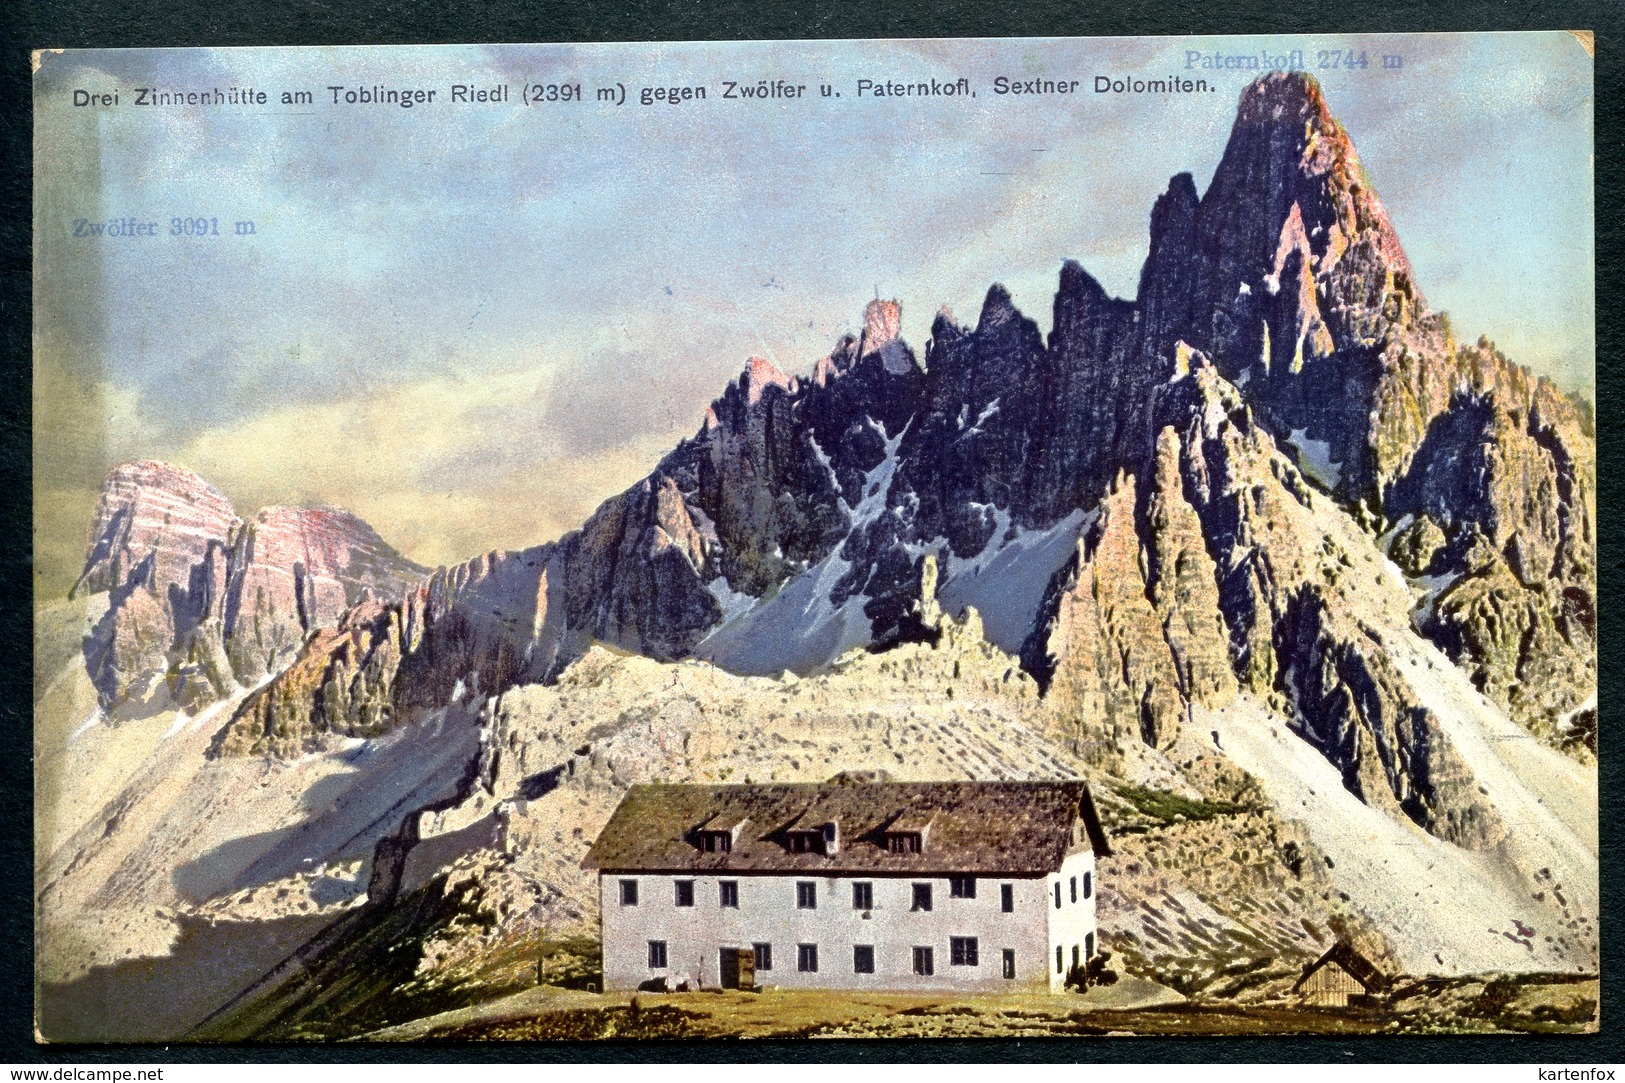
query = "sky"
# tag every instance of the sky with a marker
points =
(471, 323)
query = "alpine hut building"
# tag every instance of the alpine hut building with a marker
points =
(849, 885)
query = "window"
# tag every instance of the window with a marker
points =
(629, 892)
(685, 893)
(863, 958)
(764, 956)
(923, 964)
(1007, 898)
(863, 895)
(728, 894)
(716, 842)
(962, 951)
(806, 895)
(1076, 959)
(1057, 894)
(1089, 946)
(903, 842)
(1060, 963)
(922, 897)
(1009, 963)
(962, 887)
(807, 958)
(1074, 882)
(657, 955)
(806, 842)
(1088, 887)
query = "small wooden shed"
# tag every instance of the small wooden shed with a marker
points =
(1339, 978)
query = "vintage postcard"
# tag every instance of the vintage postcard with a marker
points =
(1043, 537)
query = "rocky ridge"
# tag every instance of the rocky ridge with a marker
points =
(649, 572)
(1311, 306)
(201, 601)
(1227, 449)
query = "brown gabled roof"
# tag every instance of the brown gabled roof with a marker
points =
(1345, 955)
(1012, 828)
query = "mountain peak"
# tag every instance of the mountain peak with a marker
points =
(882, 331)
(201, 599)
(882, 322)
(1285, 147)
(1283, 96)
(1290, 247)
(1075, 281)
(759, 375)
(334, 529)
(152, 518)
(150, 466)
(999, 307)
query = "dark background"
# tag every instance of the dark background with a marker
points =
(26, 25)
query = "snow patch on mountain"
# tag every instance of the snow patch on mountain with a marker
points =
(800, 629)
(976, 427)
(1314, 459)
(1434, 586)
(824, 460)
(734, 603)
(1007, 579)
(1385, 540)
(797, 629)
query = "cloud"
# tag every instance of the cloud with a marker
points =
(81, 427)
(444, 468)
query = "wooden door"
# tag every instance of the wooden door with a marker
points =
(738, 968)
(729, 968)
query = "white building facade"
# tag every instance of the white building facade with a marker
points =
(848, 885)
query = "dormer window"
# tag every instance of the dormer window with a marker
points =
(907, 833)
(805, 842)
(718, 834)
(810, 834)
(903, 842)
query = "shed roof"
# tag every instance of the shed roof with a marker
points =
(1012, 828)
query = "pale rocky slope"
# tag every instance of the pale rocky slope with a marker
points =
(1222, 884)
(1224, 881)
(502, 868)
